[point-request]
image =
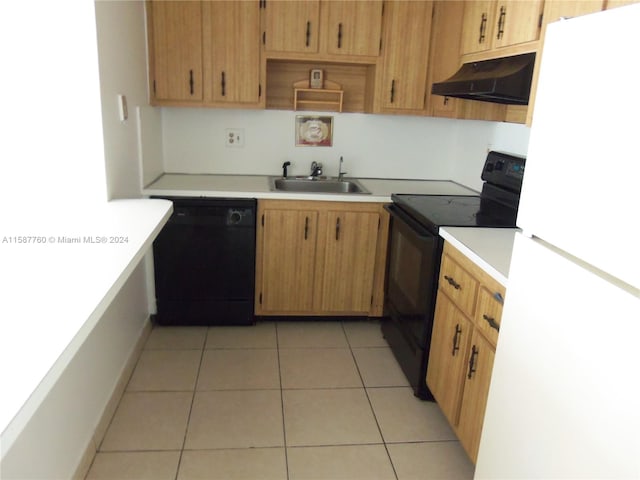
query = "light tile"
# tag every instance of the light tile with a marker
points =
(328, 417)
(311, 334)
(379, 368)
(405, 418)
(354, 462)
(260, 335)
(165, 370)
(239, 369)
(176, 338)
(235, 419)
(364, 333)
(245, 464)
(134, 466)
(431, 461)
(318, 368)
(149, 421)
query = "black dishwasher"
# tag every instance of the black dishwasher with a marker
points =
(204, 261)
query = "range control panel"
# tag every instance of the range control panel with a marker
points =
(504, 170)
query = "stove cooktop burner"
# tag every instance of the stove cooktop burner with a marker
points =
(436, 211)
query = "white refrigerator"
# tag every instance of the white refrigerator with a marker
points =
(564, 400)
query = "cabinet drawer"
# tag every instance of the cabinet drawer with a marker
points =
(458, 284)
(489, 313)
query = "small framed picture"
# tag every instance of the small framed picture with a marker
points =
(316, 79)
(314, 131)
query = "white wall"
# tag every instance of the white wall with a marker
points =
(123, 60)
(384, 146)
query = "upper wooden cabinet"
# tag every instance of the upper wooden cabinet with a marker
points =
(175, 50)
(291, 26)
(320, 258)
(490, 25)
(347, 27)
(402, 79)
(352, 27)
(231, 51)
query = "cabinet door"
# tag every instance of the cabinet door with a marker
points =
(176, 43)
(288, 260)
(474, 396)
(517, 22)
(349, 261)
(448, 356)
(231, 51)
(291, 26)
(407, 31)
(477, 26)
(353, 27)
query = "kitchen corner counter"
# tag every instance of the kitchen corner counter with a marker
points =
(62, 267)
(489, 248)
(257, 186)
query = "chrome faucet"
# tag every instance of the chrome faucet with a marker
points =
(341, 174)
(316, 170)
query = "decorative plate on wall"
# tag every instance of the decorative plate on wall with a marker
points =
(314, 131)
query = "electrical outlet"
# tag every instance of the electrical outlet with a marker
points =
(234, 137)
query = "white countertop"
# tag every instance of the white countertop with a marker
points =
(257, 186)
(489, 248)
(54, 292)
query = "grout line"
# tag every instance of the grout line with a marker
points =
(193, 396)
(284, 430)
(375, 417)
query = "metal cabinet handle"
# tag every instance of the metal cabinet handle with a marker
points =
(491, 321)
(393, 89)
(473, 363)
(223, 84)
(456, 340)
(340, 35)
(498, 298)
(338, 228)
(452, 282)
(501, 22)
(191, 82)
(445, 101)
(306, 227)
(308, 34)
(483, 28)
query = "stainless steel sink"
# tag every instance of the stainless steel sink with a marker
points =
(316, 185)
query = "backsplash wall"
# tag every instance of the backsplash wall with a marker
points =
(382, 146)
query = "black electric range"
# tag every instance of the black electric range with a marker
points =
(415, 251)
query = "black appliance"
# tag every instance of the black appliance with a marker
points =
(204, 261)
(415, 250)
(501, 80)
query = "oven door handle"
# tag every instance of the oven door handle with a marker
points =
(416, 227)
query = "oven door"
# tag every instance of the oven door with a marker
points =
(414, 264)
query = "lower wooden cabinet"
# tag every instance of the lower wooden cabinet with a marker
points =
(320, 258)
(465, 333)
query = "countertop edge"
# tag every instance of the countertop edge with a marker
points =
(146, 218)
(473, 243)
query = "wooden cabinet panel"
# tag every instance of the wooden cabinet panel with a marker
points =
(353, 27)
(231, 51)
(458, 284)
(351, 241)
(517, 22)
(448, 357)
(406, 36)
(175, 38)
(489, 313)
(291, 26)
(320, 258)
(288, 260)
(476, 391)
(619, 3)
(477, 27)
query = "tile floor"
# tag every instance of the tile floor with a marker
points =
(286, 400)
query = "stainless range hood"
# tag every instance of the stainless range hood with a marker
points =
(502, 80)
